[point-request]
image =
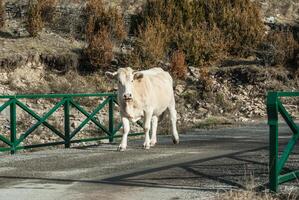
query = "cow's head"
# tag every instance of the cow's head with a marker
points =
(125, 78)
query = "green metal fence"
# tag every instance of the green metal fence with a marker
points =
(276, 163)
(66, 101)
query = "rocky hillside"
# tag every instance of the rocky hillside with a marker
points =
(230, 91)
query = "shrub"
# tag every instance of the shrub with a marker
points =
(178, 65)
(2, 17)
(205, 79)
(241, 24)
(39, 12)
(151, 45)
(47, 9)
(202, 45)
(205, 30)
(100, 17)
(286, 48)
(35, 23)
(99, 50)
(104, 27)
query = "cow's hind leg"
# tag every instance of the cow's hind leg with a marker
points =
(173, 118)
(126, 130)
(154, 131)
(147, 126)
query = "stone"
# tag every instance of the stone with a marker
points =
(179, 89)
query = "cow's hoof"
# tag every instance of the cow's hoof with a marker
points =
(120, 148)
(153, 143)
(146, 146)
(175, 141)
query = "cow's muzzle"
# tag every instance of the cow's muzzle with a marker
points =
(128, 97)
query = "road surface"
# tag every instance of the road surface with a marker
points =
(204, 164)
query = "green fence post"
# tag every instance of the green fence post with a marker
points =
(13, 125)
(111, 119)
(272, 110)
(67, 123)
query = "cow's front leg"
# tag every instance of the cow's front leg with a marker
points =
(147, 126)
(126, 130)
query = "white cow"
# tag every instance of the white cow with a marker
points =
(145, 94)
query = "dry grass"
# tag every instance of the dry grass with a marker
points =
(250, 194)
(2, 14)
(245, 195)
(212, 122)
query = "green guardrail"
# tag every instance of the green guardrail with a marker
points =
(66, 101)
(276, 163)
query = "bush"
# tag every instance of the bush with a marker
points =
(99, 50)
(151, 45)
(35, 23)
(286, 48)
(48, 8)
(202, 45)
(105, 26)
(241, 24)
(2, 13)
(205, 30)
(205, 79)
(178, 65)
(39, 12)
(100, 17)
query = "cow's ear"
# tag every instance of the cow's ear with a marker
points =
(138, 76)
(111, 74)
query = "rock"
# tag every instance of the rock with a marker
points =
(202, 110)
(270, 19)
(179, 89)
(189, 106)
(243, 119)
(193, 71)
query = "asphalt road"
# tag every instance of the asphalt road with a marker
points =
(204, 164)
